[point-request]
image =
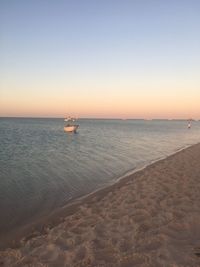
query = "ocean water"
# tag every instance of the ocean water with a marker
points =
(42, 167)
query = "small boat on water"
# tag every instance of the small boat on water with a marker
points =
(189, 123)
(70, 127)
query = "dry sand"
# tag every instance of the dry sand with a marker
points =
(151, 218)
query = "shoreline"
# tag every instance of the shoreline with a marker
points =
(110, 195)
(39, 226)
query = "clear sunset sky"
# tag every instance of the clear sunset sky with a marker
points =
(100, 58)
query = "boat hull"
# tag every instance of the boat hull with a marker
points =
(71, 128)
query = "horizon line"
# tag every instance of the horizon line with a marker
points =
(95, 118)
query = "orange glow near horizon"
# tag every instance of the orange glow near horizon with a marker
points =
(118, 105)
(139, 97)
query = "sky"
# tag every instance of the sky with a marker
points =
(100, 58)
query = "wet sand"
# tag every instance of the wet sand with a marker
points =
(150, 218)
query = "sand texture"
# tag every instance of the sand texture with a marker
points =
(151, 218)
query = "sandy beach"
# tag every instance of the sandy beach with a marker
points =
(150, 218)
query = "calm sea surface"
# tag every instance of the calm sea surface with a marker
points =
(42, 167)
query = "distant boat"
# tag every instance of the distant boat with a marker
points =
(70, 127)
(189, 124)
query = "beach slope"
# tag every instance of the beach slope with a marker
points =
(150, 218)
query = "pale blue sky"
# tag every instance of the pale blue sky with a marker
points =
(92, 50)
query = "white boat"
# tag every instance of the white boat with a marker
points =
(71, 128)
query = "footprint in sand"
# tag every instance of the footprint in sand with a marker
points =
(197, 251)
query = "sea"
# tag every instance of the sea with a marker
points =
(42, 168)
